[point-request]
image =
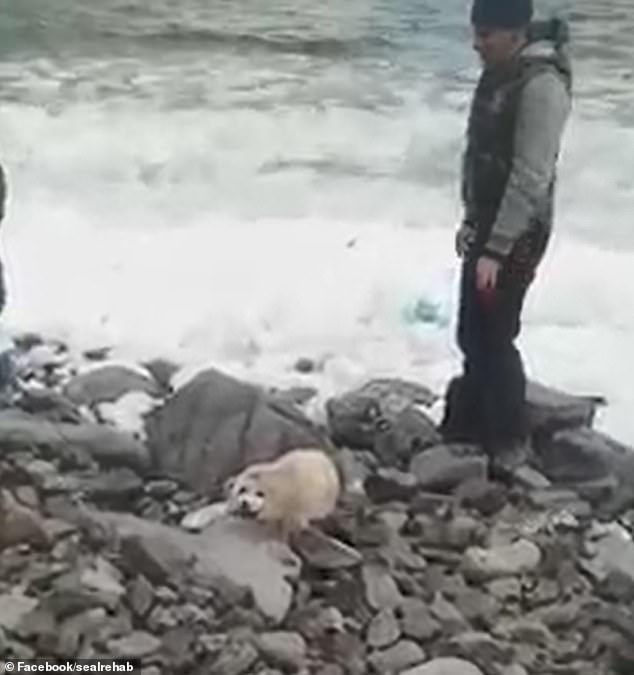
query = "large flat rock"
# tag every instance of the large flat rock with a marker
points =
(613, 553)
(550, 409)
(229, 550)
(445, 666)
(385, 417)
(444, 467)
(110, 447)
(582, 454)
(108, 383)
(215, 425)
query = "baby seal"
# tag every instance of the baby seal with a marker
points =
(288, 493)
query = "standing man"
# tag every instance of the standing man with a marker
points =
(517, 118)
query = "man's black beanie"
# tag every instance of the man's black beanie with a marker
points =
(510, 14)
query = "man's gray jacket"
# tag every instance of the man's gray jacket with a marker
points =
(515, 127)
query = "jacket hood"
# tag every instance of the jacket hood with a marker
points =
(549, 40)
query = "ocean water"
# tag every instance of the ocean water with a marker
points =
(244, 183)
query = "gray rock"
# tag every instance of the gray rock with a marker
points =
(354, 469)
(505, 560)
(83, 626)
(46, 478)
(617, 586)
(305, 365)
(514, 669)
(157, 556)
(115, 487)
(14, 607)
(297, 396)
(151, 670)
(84, 589)
(27, 340)
(559, 616)
(235, 659)
(325, 553)
(134, 646)
(331, 669)
(393, 518)
(444, 467)
(103, 579)
(27, 495)
(108, 446)
(550, 409)
(371, 531)
(20, 524)
(97, 353)
(214, 426)
(212, 644)
(57, 530)
(610, 494)
(440, 556)
(577, 455)
(177, 648)
(530, 478)
(478, 608)
(612, 553)
(282, 649)
(191, 615)
(140, 596)
(230, 551)
(166, 595)
(623, 658)
(447, 614)
(348, 650)
(161, 619)
(457, 533)
(107, 384)
(399, 553)
(381, 590)
(559, 499)
(389, 484)
(417, 621)
(398, 438)
(445, 666)
(383, 630)
(617, 618)
(395, 659)
(526, 631)
(482, 495)
(353, 417)
(480, 648)
(450, 583)
(19, 650)
(162, 371)
(316, 621)
(43, 361)
(39, 626)
(161, 488)
(49, 404)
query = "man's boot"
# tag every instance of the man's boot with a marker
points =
(507, 458)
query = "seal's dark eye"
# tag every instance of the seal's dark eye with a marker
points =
(242, 490)
(259, 494)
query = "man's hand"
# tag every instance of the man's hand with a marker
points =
(487, 273)
(465, 236)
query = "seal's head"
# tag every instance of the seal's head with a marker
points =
(245, 494)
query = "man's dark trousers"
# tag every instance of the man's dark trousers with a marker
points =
(487, 404)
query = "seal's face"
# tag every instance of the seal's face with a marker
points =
(245, 496)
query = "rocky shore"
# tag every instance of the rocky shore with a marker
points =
(426, 568)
